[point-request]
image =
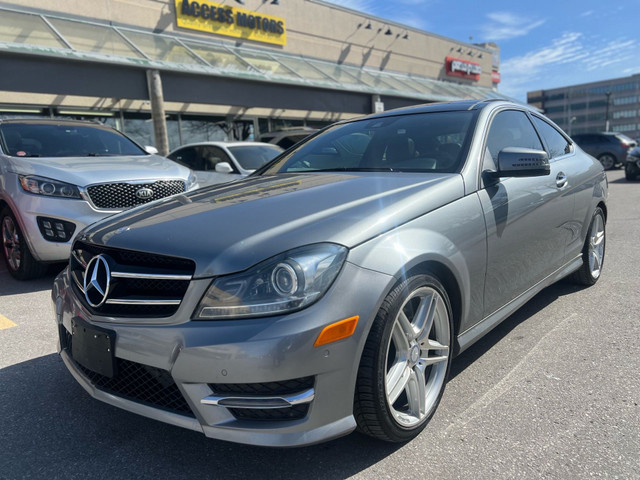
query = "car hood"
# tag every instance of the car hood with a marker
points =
(231, 227)
(83, 171)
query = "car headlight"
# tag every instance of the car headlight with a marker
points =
(192, 181)
(48, 187)
(284, 283)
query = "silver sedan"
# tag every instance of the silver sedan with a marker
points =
(332, 289)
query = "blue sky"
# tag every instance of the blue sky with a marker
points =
(543, 44)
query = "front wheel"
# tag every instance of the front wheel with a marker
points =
(629, 172)
(405, 362)
(16, 253)
(593, 251)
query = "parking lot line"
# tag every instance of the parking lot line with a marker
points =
(6, 323)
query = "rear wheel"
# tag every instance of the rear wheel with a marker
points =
(593, 251)
(406, 361)
(629, 172)
(16, 253)
(607, 160)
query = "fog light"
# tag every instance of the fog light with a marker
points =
(56, 230)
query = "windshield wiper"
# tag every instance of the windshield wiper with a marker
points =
(93, 154)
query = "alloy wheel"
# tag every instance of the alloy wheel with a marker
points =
(596, 246)
(417, 357)
(608, 161)
(11, 243)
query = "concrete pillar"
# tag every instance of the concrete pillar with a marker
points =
(154, 84)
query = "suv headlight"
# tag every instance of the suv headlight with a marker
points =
(284, 283)
(48, 187)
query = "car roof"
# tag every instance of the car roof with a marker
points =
(224, 144)
(52, 121)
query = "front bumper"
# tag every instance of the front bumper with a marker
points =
(201, 357)
(28, 207)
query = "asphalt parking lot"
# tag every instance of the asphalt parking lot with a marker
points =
(553, 392)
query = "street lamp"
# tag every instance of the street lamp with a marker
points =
(606, 115)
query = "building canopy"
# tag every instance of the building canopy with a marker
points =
(46, 35)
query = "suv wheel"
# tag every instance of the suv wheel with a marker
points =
(16, 253)
(607, 160)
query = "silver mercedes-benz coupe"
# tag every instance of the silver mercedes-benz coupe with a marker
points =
(331, 290)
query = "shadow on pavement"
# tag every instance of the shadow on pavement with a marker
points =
(11, 286)
(52, 428)
(533, 306)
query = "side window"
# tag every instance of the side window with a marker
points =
(558, 145)
(212, 155)
(511, 128)
(187, 157)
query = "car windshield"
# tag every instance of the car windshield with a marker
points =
(252, 157)
(425, 142)
(64, 140)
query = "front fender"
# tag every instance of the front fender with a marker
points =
(453, 236)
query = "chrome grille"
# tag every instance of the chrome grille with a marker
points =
(123, 195)
(142, 284)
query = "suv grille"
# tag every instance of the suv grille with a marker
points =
(124, 195)
(134, 381)
(142, 284)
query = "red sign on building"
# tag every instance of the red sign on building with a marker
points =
(463, 68)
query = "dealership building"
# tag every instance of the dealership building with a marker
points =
(609, 105)
(170, 72)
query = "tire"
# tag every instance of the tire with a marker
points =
(607, 160)
(629, 172)
(593, 251)
(405, 362)
(15, 251)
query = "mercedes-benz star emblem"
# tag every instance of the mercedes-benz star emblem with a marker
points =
(97, 280)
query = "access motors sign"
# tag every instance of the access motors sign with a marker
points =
(463, 68)
(230, 21)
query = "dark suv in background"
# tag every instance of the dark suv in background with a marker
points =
(610, 148)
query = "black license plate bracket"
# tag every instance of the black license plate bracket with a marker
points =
(93, 347)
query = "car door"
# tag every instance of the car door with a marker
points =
(210, 156)
(525, 216)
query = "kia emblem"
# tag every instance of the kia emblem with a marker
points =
(144, 193)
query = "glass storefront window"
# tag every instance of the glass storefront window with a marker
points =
(161, 48)
(93, 38)
(198, 129)
(28, 29)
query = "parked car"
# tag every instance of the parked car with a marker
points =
(331, 289)
(222, 162)
(58, 176)
(610, 148)
(632, 164)
(287, 137)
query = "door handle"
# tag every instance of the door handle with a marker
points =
(561, 180)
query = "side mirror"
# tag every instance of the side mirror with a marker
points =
(151, 150)
(522, 162)
(223, 167)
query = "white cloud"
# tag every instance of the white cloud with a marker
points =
(506, 25)
(572, 58)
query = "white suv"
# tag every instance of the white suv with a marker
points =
(57, 176)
